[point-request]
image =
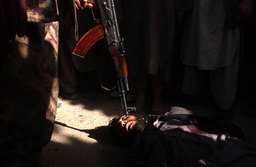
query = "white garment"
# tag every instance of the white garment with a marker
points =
(211, 51)
(207, 44)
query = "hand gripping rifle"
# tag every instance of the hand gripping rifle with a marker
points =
(110, 30)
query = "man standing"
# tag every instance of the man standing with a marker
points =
(212, 47)
(29, 79)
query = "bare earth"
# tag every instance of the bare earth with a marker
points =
(81, 137)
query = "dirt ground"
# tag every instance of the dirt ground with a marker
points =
(81, 137)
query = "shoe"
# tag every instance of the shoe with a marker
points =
(107, 86)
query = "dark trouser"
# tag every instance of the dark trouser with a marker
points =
(28, 95)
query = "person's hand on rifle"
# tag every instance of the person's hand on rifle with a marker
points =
(82, 4)
(13, 18)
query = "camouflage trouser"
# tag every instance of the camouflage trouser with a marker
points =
(28, 96)
(36, 59)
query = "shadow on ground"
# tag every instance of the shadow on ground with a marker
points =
(96, 151)
(81, 137)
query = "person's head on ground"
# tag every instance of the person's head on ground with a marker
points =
(124, 129)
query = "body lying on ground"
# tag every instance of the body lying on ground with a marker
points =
(182, 140)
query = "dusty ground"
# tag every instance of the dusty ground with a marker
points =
(81, 138)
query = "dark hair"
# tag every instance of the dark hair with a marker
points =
(120, 136)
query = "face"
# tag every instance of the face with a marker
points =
(125, 129)
(133, 122)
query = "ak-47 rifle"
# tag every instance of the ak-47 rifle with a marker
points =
(110, 30)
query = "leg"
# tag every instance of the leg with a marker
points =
(67, 75)
(31, 79)
(223, 84)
